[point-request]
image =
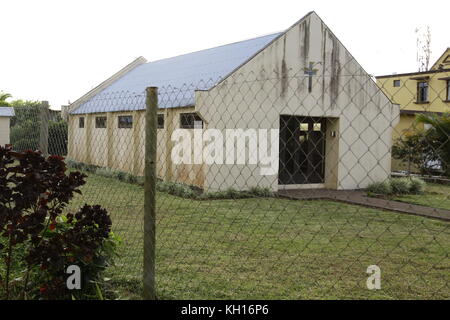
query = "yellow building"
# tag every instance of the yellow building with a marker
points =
(418, 92)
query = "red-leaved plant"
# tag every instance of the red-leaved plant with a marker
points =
(37, 240)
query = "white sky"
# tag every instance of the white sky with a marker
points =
(58, 50)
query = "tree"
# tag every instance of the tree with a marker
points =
(439, 136)
(25, 128)
(3, 98)
(426, 147)
(25, 125)
(423, 45)
(416, 151)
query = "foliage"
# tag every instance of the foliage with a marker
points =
(25, 128)
(417, 186)
(426, 146)
(3, 97)
(397, 186)
(439, 136)
(57, 137)
(416, 150)
(37, 239)
(25, 125)
(380, 187)
(400, 185)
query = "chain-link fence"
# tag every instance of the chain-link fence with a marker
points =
(280, 184)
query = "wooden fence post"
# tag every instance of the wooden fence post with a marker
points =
(43, 128)
(150, 192)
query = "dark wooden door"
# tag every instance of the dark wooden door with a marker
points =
(302, 150)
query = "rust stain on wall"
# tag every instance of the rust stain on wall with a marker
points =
(284, 71)
(335, 73)
(324, 64)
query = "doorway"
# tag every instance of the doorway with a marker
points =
(302, 150)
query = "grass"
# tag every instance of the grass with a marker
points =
(436, 196)
(273, 248)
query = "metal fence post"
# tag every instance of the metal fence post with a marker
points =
(150, 192)
(43, 128)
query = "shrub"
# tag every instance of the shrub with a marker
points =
(130, 178)
(261, 192)
(177, 189)
(105, 172)
(35, 235)
(383, 187)
(120, 175)
(400, 185)
(74, 164)
(417, 186)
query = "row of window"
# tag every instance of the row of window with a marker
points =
(187, 121)
(423, 90)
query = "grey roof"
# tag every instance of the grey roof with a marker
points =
(7, 112)
(177, 78)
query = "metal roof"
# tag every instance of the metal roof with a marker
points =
(7, 112)
(177, 78)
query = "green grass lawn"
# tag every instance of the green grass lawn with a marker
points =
(436, 196)
(273, 248)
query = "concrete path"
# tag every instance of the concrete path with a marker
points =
(360, 198)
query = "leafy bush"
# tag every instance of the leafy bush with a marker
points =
(37, 240)
(176, 189)
(400, 185)
(74, 164)
(261, 192)
(417, 186)
(382, 187)
(105, 172)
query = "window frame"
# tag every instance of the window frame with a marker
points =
(189, 116)
(420, 98)
(397, 81)
(448, 91)
(81, 122)
(120, 123)
(159, 125)
(97, 122)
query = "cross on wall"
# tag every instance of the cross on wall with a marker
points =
(310, 71)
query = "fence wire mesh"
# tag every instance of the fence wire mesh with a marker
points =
(271, 185)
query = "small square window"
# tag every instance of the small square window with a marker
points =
(125, 122)
(190, 121)
(396, 83)
(317, 127)
(304, 126)
(160, 121)
(100, 122)
(81, 122)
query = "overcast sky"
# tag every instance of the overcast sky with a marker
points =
(58, 50)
